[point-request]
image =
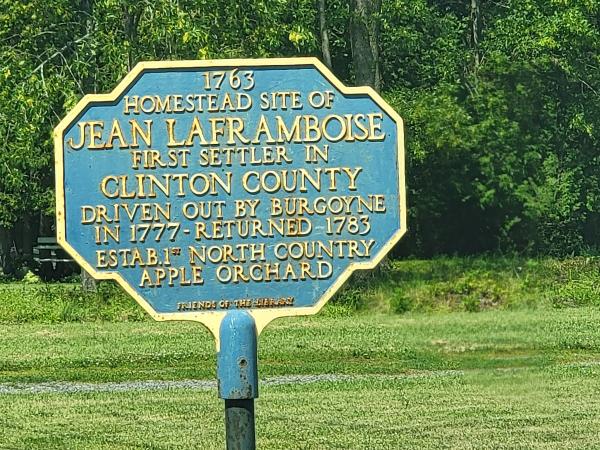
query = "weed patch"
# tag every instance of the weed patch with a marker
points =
(65, 302)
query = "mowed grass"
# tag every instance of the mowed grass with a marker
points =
(355, 344)
(526, 408)
(495, 379)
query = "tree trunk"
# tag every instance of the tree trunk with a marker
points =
(475, 34)
(364, 39)
(89, 81)
(88, 283)
(27, 238)
(6, 266)
(131, 19)
(474, 43)
(374, 27)
(324, 34)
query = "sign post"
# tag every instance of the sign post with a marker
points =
(237, 373)
(230, 193)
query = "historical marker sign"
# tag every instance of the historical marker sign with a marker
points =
(204, 187)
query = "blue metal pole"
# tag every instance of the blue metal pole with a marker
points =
(237, 374)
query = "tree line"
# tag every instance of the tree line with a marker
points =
(500, 100)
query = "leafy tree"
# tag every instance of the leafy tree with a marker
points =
(500, 99)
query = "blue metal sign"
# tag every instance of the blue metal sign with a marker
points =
(204, 187)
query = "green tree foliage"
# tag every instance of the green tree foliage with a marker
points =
(55, 51)
(32, 97)
(500, 99)
(503, 134)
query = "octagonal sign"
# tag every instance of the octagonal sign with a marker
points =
(203, 187)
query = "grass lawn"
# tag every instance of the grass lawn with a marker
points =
(441, 284)
(495, 379)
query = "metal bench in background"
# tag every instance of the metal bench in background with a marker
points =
(53, 262)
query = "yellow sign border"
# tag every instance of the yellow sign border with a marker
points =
(212, 319)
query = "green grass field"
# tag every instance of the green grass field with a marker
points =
(527, 378)
(437, 285)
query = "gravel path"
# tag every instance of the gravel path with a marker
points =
(64, 387)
